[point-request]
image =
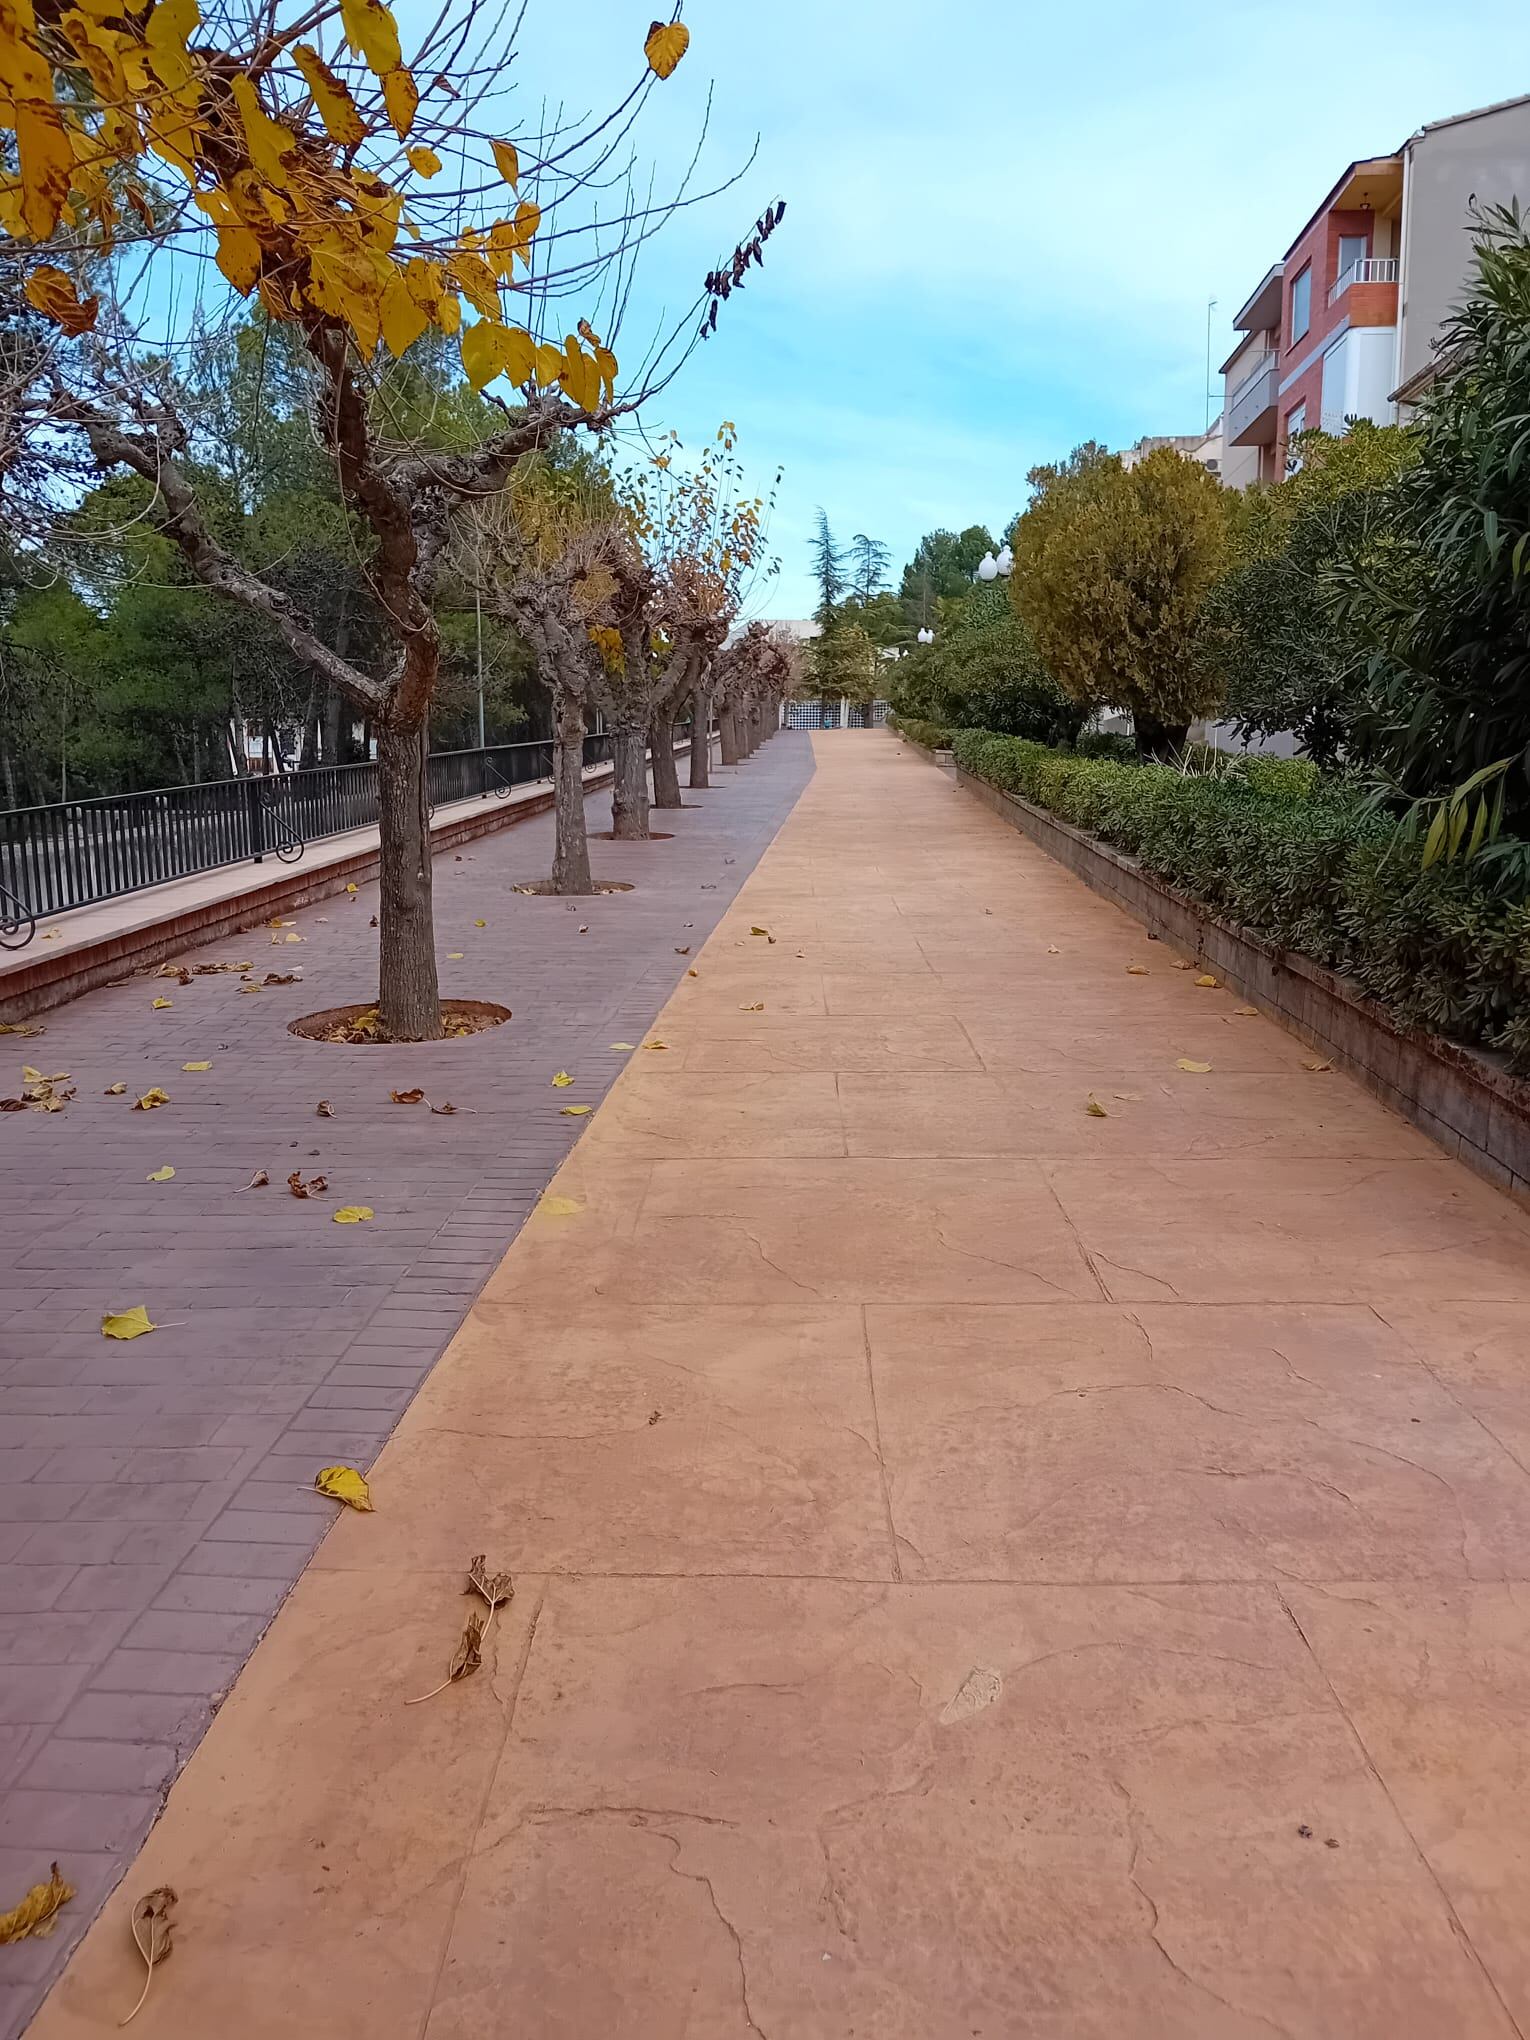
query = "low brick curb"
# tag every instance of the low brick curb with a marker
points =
(1463, 1098)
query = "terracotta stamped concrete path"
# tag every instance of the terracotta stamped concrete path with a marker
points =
(154, 1496)
(982, 1569)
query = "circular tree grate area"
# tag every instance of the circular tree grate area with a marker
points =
(610, 836)
(359, 1026)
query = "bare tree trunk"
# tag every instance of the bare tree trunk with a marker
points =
(727, 723)
(571, 852)
(334, 709)
(701, 748)
(408, 995)
(666, 775)
(309, 754)
(9, 771)
(629, 788)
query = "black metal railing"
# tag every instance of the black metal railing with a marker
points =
(75, 852)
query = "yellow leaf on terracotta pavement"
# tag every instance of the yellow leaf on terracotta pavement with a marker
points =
(344, 1484)
(1095, 1109)
(1196, 1069)
(160, 1175)
(759, 931)
(1247, 1012)
(576, 1111)
(196, 1066)
(1317, 1064)
(152, 1097)
(558, 1207)
(1137, 970)
(758, 1008)
(354, 1214)
(34, 1917)
(1208, 981)
(1180, 964)
(562, 1081)
(658, 1047)
(507, 162)
(693, 972)
(126, 1324)
(114, 1090)
(155, 1005)
(667, 43)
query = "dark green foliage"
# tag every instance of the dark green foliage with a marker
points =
(983, 672)
(933, 736)
(1308, 864)
(941, 571)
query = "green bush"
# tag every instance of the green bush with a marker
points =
(933, 736)
(1306, 863)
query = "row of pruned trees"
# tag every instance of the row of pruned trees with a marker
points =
(159, 171)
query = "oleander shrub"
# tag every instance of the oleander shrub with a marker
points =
(1307, 863)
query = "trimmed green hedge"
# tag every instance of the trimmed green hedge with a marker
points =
(1301, 861)
(933, 736)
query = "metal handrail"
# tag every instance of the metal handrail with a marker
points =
(1368, 269)
(73, 853)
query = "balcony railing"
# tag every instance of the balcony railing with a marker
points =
(1370, 269)
(1252, 395)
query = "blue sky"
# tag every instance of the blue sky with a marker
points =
(1004, 222)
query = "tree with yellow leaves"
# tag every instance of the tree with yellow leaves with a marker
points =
(292, 156)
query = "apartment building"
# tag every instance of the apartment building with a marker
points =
(1345, 324)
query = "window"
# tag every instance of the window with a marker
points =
(1296, 421)
(1352, 249)
(1301, 303)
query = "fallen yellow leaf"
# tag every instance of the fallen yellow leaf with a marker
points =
(152, 1097)
(1180, 964)
(196, 1066)
(407, 1097)
(127, 1324)
(34, 1918)
(353, 1214)
(760, 931)
(455, 955)
(1318, 1064)
(160, 1175)
(1095, 1109)
(759, 1008)
(156, 1004)
(1196, 1069)
(352, 888)
(114, 1090)
(344, 1484)
(1137, 970)
(480, 924)
(1208, 981)
(576, 1111)
(624, 1047)
(559, 1207)
(1247, 1012)
(693, 973)
(297, 938)
(562, 1081)
(657, 1046)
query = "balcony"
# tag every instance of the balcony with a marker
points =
(1251, 406)
(1373, 269)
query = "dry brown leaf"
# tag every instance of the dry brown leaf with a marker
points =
(252, 987)
(21, 1027)
(1095, 1109)
(758, 1007)
(282, 977)
(324, 1110)
(693, 972)
(1246, 1012)
(1317, 1064)
(494, 1587)
(178, 971)
(13, 1104)
(152, 1923)
(1180, 964)
(35, 1916)
(407, 1097)
(444, 1111)
(687, 949)
(1053, 950)
(314, 1187)
(258, 1181)
(114, 1090)
(373, 922)
(1137, 970)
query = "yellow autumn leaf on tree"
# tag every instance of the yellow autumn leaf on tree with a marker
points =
(160, 1175)
(34, 1916)
(403, 319)
(46, 162)
(423, 162)
(372, 33)
(482, 356)
(344, 1484)
(127, 1324)
(238, 255)
(401, 96)
(507, 162)
(269, 140)
(53, 294)
(667, 43)
(353, 1214)
(331, 95)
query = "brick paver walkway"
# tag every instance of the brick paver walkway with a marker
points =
(983, 1569)
(154, 1503)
